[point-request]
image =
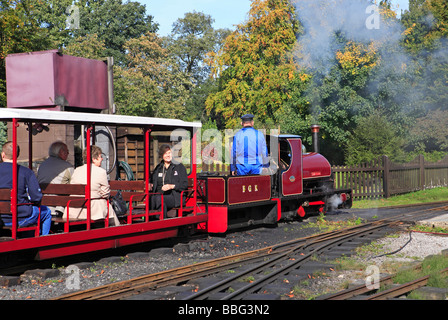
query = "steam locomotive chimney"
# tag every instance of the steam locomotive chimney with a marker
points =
(315, 134)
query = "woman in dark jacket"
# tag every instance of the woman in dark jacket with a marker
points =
(169, 179)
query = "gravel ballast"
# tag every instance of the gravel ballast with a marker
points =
(60, 280)
(409, 253)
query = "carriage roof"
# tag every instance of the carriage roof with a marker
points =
(49, 116)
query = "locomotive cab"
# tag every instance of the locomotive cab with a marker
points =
(306, 187)
(289, 172)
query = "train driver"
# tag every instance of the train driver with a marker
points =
(249, 151)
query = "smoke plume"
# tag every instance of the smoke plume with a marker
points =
(354, 20)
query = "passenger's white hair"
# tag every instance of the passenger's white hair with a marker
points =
(55, 147)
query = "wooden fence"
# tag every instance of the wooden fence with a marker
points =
(383, 178)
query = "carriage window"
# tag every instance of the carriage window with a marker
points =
(285, 155)
(180, 142)
(131, 146)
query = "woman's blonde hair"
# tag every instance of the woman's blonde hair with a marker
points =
(95, 152)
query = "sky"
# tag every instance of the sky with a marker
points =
(226, 13)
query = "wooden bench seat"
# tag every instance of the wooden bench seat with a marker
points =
(74, 194)
(133, 192)
(5, 209)
(184, 209)
(5, 201)
(67, 195)
(60, 194)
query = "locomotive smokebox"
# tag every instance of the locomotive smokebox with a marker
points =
(315, 135)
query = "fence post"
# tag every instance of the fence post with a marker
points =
(386, 170)
(421, 160)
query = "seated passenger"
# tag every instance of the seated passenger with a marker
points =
(169, 179)
(99, 190)
(56, 169)
(29, 193)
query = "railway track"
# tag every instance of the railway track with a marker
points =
(280, 260)
(277, 268)
(246, 275)
(363, 292)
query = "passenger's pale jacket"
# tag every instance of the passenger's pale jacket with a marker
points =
(100, 190)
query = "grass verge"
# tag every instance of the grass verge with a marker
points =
(424, 196)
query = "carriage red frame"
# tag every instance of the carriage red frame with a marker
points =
(93, 239)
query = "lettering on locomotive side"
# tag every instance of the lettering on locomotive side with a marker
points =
(249, 188)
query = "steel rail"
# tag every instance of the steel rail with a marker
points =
(402, 289)
(174, 276)
(152, 280)
(353, 292)
(258, 284)
(180, 274)
(382, 295)
(204, 293)
(329, 239)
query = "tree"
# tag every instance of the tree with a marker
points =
(425, 38)
(53, 17)
(429, 133)
(340, 98)
(426, 22)
(19, 32)
(358, 72)
(89, 47)
(373, 137)
(152, 83)
(113, 21)
(256, 64)
(191, 39)
(190, 43)
(294, 115)
(34, 25)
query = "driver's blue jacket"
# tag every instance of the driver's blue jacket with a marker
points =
(249, 152)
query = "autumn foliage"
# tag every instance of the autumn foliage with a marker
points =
(256, 64)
